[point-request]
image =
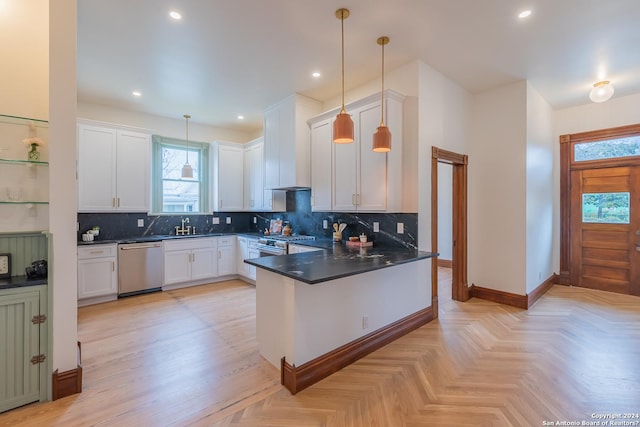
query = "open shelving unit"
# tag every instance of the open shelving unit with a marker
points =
(24, 187)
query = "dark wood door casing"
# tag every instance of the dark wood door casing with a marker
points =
(460, 287)
(571, 174)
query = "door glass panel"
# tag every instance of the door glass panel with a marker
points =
(605, 208)
(620, 147)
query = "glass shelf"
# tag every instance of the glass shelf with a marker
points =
(7, 202)
(19, 120)
(23, 162)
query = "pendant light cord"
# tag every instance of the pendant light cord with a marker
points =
(186, 116)
(342, 27)
(382, 93)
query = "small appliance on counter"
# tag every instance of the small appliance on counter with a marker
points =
(37, 269)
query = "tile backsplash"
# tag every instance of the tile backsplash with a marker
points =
(298, 214)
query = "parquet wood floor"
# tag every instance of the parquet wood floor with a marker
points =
(189, 357)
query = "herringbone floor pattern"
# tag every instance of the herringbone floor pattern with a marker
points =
(189, 358)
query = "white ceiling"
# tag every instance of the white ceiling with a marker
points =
(230, 57)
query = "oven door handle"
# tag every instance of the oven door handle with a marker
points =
(271, 249)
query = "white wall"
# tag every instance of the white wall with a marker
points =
(445, 212)
(403, 79)
(444, 121)
(173, 128)
(619, 111)
(497, 189)
(62, 181)
(24, 46)
(540, 190)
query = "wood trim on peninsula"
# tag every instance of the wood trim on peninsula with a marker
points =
(297, 378)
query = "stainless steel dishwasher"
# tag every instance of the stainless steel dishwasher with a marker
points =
(140, 268)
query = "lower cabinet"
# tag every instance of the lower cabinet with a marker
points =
(247, 249)
(252, 252)
(97, 273)
(226, 255)
(190, 259)
(23, 346)
(242, 254)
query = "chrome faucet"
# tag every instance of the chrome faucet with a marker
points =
(182, 230)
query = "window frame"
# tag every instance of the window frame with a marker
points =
(202, 150)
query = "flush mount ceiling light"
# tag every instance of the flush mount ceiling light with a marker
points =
(382, 137)
(136, 93)
(343, 125)
(601, 92)
(524, 14)
(175, 15)
(187, 170)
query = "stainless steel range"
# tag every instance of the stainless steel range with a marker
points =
(278, 244)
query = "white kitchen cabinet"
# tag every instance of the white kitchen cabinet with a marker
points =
(360, 175)
(286, 142)
(296, 249)
(253, 252)
(97, 273)
(23, 346)
(247, 249)
(242, 254)
(226, 255)
(228, 177)
(355, 178)
(254, 176)
(321, 149)
(190, 259)
(113, 169)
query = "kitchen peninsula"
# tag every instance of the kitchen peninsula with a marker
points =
(317, 312)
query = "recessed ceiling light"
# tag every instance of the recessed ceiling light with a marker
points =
(524, 14)
(175, 15)
(240, 117)
(315, 74)
(136, 93)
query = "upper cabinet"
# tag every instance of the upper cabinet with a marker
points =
(228, 176)
(353, 178)
(254, 175)
(321, 167)
(113, 169)
(256, 198)
(286, 142)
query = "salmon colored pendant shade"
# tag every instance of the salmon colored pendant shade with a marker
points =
(382, 137)
(343, 125)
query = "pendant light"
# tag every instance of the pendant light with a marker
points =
(187, 170)
(601, 92)
(343, 125)
(382, 137)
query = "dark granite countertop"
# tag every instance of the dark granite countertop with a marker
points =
(20, 282)
(336, 261)
(152, 238)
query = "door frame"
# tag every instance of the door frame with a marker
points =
(567, 143)
(459, 285)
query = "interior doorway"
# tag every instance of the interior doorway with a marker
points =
(459, 286)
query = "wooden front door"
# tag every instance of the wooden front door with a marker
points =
(605, 229)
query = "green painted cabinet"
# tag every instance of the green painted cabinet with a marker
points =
(23, 345)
